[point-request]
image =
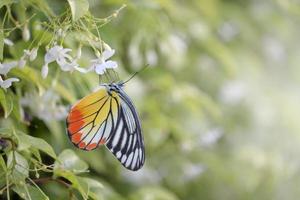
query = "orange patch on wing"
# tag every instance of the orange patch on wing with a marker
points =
(76, 138)
(81, 145)
(102, 141)
(91, 146)
(74, 115)
(74, 127)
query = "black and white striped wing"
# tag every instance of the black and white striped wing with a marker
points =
(126, 141)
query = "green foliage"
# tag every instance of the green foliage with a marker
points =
(219, 103)
(6, 102)
(78, 8)
(37, 143)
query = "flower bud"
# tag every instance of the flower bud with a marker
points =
(106, 46)
(8, 42)
(98, 54)
(26, 33)
(33, 54)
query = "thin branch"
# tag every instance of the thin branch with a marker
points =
(49, 179)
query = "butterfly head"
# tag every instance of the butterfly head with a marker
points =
(113, 87)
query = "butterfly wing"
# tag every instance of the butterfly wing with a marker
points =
(92, 119)
(126, 141)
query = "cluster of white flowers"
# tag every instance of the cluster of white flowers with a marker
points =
(28, 55)
(66, 62)
(60, 55)
(6, 67)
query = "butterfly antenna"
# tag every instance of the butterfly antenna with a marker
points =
(135, 73)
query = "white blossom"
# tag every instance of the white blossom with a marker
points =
(102, 63)
(62, 58)
(57, 53)
(28, 55)
(8, 82)
(6, 67)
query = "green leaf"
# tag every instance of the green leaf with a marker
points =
(2, 163)
(30, 75)
(19, 165)
(6, 102)
(36, 154)
(29, 192)
(156, 193)
(37, 143)
(67, 165)
(82, 187)
(64, 92)
(78, 8)
(17, 109)
(68, 160)
(6, 132)
(93, 186)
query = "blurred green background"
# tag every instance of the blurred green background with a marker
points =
(219, 104)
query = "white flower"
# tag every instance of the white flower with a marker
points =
(102, 63)
(62, 58)
(8, 42)
(28, 55)
(6, 67)
(8, 82)
(57, 53)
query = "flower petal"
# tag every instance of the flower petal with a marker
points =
(100, 68)
(53, 53)
(49, 57)
(61, 61)
(111, 64)
(6, 67)
(108, 53)
(7, 83)
(97, 61)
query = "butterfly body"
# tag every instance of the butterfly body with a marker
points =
(108, 117)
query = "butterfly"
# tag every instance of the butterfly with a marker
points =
(108, 117)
